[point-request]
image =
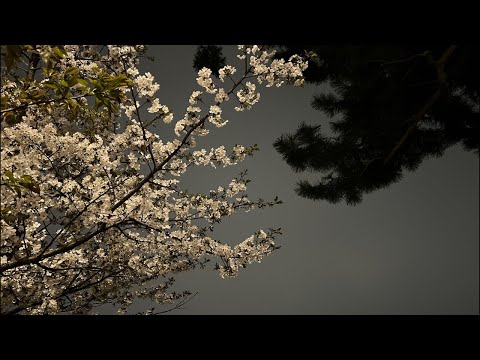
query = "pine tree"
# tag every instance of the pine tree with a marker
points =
(210, 56)
(394, 105)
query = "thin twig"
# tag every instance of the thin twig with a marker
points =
(178, 306)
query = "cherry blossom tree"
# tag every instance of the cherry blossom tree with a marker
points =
(92, 207)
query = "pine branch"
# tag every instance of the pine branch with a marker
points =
(442, 77)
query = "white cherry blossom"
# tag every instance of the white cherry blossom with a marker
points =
(92, 205)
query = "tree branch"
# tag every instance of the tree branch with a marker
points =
(57, 251)
(42, 102)
(169, 157)
(442, 77)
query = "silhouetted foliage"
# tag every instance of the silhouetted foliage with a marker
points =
(209, 56)
(394, 106)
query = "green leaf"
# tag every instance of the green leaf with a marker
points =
(50, 86)
(58, 52)
(84, 89)
(26, 179)
(109, 105)
(28, 183)
(64, 83)
(71, 71)
(73, 81)
(117, 81)
(36, 94)
(72, 102)
(17, 189)
(98, 101)
(4, 101)
(10, 175)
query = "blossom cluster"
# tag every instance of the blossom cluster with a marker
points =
(92, 205)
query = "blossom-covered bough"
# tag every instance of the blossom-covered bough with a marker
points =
(92, 210)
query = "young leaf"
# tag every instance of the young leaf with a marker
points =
(71, 71)
(28, 183)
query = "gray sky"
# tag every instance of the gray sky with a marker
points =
(412, 248)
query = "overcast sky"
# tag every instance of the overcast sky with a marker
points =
(412, 248)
